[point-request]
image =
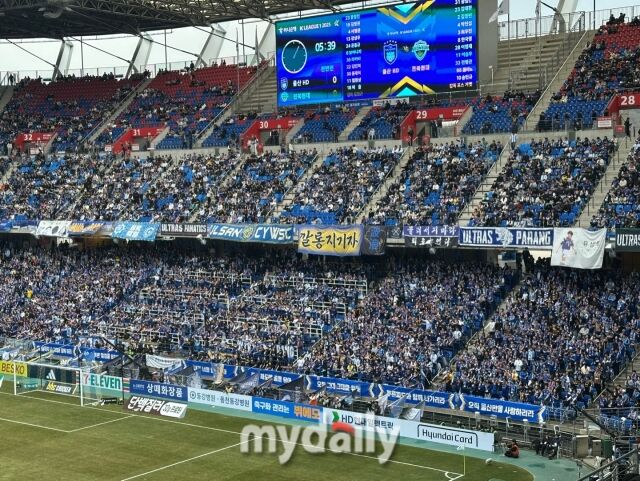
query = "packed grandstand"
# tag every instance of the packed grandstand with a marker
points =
(450, 249)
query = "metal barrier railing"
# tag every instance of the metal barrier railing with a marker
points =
(616, 470)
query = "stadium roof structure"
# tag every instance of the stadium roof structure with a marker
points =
(67, 18)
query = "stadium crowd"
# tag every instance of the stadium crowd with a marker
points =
(545, 183)
(341, 187)
(436, 184)
(557, 340)
(621, 207)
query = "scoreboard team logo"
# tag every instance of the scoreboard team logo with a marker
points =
(390, 51)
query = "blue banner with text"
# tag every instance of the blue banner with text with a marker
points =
(504, 237)
(156, 389)
(263, 233)
(136, 231)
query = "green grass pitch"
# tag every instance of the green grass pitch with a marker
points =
(48, 437)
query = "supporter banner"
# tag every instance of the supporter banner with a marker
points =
(427, 242)
(99, 355)
(375, 240)
(53, 228)
(137, 231)
(344, 386)
(394, 231)
(413, 430)
(220, 399)
(84, 228)
(208, 369)
(157, 407)
(64, 350)
(8, 367)
(331, 241)
(277, 377)
(264, 233)
(156, 389)
(519, 237)
(628, 240)
(578, 248)
(503, 409)
(102, 381)
(183, 230)
(285, 409)
(430, 231)
(68, 350)
(434, 399)
(160, 362)
(6, 225)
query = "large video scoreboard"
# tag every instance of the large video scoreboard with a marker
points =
(394, 51)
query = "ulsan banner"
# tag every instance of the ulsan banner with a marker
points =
(578, 248)
(330, 241)
(262, 233)
(136, 231)
(503, 237)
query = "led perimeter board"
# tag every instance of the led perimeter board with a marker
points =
(395, 51)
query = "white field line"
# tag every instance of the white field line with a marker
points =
(459, 475)
(34, 425)
(100, 424)
(187, 460)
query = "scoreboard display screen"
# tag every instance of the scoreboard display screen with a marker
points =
(394, 51)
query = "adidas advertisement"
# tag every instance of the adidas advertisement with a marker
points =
(59, 388)
(52, 374)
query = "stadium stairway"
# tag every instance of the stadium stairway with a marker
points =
(557, 81)
(290, 195)
(597, 199)
(119, 109)
(293, 131)
(344, 136)
(263, 98)
(159, 138)
(522, 61)
(621, 378)
(394, 176)
(263, 82)
(5, 97)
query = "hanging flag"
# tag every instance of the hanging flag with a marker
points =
(257, 47)
(396, 407)
(503, 9)
(237, 48)
(382, 402)
(414, 413)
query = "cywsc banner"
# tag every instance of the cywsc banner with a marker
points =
(330, 241)
(578, 248)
